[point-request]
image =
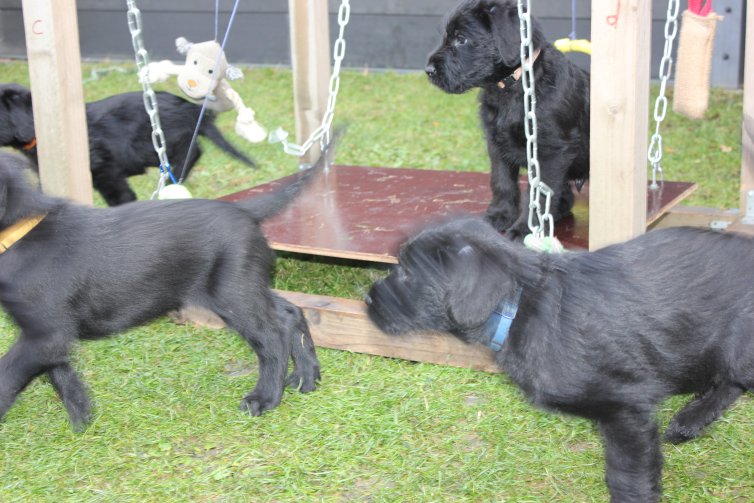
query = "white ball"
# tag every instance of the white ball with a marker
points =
(174, 191)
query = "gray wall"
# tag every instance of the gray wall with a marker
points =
(394, 34)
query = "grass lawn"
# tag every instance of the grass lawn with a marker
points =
(167, 425)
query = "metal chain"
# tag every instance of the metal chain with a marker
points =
(322, 133)
(150, 98)
(537, 188)
(654, 154)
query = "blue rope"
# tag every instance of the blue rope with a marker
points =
(217, 17)
(206, 98)
(166, 168)
(573, 19)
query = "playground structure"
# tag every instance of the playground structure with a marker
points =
(618, 185)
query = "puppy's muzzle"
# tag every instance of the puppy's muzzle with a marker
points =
(431, 70)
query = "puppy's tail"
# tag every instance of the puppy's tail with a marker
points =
(210, 131)
(267, 205)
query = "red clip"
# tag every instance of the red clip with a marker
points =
(700, 7)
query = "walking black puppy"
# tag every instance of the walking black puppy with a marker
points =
(120, 136)
(481, 48)
(71, 272)
(604, 335)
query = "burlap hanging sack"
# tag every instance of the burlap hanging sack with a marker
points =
(692, 71)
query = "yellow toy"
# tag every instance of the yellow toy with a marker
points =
(569, 45)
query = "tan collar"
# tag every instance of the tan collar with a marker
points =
(30, 145)
(516, 75)
(11, 235)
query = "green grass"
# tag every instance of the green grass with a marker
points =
(166, 423)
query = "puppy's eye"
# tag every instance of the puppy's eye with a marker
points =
(210, 72)
(460, 40)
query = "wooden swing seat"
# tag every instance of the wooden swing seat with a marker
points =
(365, 213)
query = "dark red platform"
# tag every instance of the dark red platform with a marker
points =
(365, 213)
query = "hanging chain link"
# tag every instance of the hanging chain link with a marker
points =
(322, 133)
(537, 188)
(150, 98)
(654, 154)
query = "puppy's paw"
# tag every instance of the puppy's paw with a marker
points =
(678, 433)
(79, 416)
(497, 219)
(304, 381)
(78, 425)
(256, 403)
(516, 234)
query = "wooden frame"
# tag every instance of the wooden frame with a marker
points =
(619, 92)
(619, 88)
(310, 62)
(747, 147)
(52, 44)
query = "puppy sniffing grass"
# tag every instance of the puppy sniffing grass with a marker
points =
(481, 49)
(605, 335)
(70, 272)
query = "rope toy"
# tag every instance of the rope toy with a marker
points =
(545, 244)
(206, 73)
(174, 191)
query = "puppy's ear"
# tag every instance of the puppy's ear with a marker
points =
(504, 27)
(182, 45)
(476, 286)
(20, 115)
(17, 197)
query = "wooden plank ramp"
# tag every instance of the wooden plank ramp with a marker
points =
(343, 324)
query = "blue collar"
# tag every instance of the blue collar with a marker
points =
(499, 323)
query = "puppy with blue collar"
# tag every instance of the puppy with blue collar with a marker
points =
(605, 335)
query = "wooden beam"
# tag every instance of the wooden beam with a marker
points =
(343, 324)
(619, 99)
(747, 161)
(696, 216)
(310, 60)
(52, 45)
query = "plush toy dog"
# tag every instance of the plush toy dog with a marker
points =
(206, 73)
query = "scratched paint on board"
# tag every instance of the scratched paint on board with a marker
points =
(366, 213)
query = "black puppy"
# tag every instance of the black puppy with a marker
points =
(71, 272)
(481, 48)
(120, 136)
(604, 335)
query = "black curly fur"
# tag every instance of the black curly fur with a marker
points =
(605, 335)
(86, 273)
(480, 47)
(120, 136)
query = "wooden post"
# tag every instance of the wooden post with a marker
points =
(310, 59)
(52, 45)
(747, 161)
(619, 99)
